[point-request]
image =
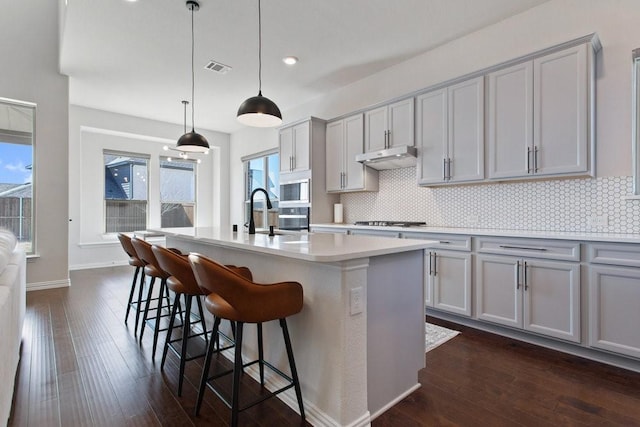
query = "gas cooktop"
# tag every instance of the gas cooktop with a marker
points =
(391, 223)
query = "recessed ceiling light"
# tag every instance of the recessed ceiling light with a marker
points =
(290, 60)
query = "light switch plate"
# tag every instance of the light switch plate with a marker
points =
(355, 300)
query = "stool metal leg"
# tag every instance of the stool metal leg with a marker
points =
(138, 307)
(133, 290)
(237, 369)
(156, 330)
(292, 365)
(186, 331)
(167, 341)
(260, 354)
(202, 319)
(207, 363)
(146, 308)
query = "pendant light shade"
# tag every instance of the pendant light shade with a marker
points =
(192, 141)
(259, 111)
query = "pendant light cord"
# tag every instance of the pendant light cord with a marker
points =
(259, 49)
(193, 127)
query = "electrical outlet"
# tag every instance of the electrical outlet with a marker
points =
(355, 300)
(599, 221)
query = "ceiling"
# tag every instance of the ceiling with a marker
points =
(134, 57)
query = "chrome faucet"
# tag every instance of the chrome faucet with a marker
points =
(252, 224)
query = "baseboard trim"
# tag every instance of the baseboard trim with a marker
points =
(97, 265)
(395, 401)
(37, 286)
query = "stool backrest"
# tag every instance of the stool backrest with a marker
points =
(125, 241)
(252, 302)
(177, 266)
(143, 249)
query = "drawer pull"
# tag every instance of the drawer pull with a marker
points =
(445, 242)
(526, 248)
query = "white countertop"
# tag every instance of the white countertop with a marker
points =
(493, 232)
(318, 247)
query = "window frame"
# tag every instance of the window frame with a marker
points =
(144, 156)
(245, 163)
(33, 106)
(194, 204)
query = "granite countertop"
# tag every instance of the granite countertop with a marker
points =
(317, 247)
(493, 232)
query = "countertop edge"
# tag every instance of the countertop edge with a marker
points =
(490, 232)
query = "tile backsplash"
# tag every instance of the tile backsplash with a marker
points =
(547, 205)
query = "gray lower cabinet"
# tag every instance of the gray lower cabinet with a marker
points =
(614, 298)
(448, 281)
(537, 295)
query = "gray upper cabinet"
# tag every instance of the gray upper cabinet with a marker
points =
(539, 121)
(345, 139)
(450, 133)
(389, 126)
(295, 148)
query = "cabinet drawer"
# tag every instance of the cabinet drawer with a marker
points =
(531, 248)
(445, 241)
(614, 254)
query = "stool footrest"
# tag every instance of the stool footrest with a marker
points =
(260, 399)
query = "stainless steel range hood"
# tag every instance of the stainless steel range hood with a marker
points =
(403, 156)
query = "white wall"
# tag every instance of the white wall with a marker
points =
(29, 52)
(92, 131)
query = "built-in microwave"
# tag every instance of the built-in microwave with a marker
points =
(293, 218)
(294, 193)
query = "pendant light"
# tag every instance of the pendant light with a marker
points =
(259, 111)
(192, 141)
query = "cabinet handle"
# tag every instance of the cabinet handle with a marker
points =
(523, 247)
(449, 168)
(535, 159)
(524, 271)
(290, 163)
(430, 264)
(528, 159)
(388, 138)
(435, 265)
(341, 179)
(445, 241)
(517, 274)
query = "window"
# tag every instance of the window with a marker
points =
(17, 129)
(261, 171)
(125, 191)
(177, 192)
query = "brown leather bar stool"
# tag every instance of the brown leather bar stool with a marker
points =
(153, 270)
(183, 283)
(241, 300)
(139, 264)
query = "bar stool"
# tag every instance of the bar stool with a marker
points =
(237, 298)
(139, 264)
(153, 270)
(182, 282)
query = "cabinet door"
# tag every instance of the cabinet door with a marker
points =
(552, 298)
(510, 121)
(334, 157)
(451, 282)
(498, 297)
(560, 126)
(353, 141)
(432, 136)
(401, 119)
(466, 131)
(375, 128)
(301, 141)
(614, 298)
(286, 150)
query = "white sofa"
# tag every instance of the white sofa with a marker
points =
(12, 311)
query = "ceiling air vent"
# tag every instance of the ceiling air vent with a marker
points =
(217, 67)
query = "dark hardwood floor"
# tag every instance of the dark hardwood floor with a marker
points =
(81, 366)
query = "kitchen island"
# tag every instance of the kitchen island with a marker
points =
(359, 340)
